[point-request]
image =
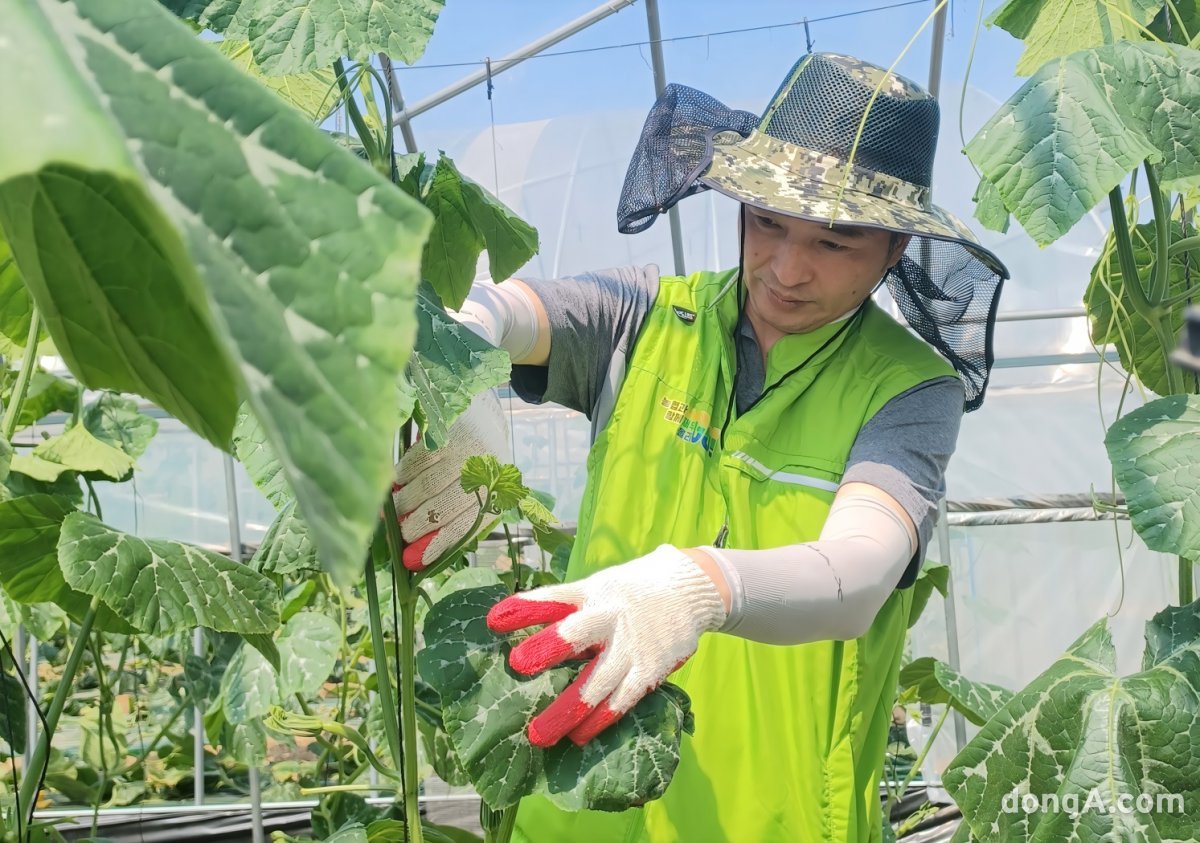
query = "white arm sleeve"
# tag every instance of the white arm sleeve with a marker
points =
(829, 589)
(503, 315)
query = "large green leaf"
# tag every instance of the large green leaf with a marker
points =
(296, 36)
(12, 712)
(450, 364)
(486, 709)
(1053, 28)
(258, 458)
(1080, 729)
(937, 683)
(77, 449)
(1168, 27)
(308, 649)
(29, 569)
(116, 421)
(932, 577)
(286, 549)
(469, 220)
(16, 308)
(1133, 336)
(1155, 453)
(162, 586)
(1082, 122)
(313, 93)
(248, 239)
(46, 394)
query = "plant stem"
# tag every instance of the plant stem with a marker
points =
(390, 726)
(31, 782)
(1184, 245)
(916, 767)
(507, 823)
(1161, 276)
(365, 137)
(1186, 592)
(405, 590)
(13, 411)
(148, 748)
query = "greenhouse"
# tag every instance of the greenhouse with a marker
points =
(638, 420)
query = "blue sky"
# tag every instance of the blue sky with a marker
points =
(740, 69)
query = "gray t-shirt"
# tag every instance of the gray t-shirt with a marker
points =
(595, 319)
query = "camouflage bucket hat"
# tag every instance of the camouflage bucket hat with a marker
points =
(813, 155)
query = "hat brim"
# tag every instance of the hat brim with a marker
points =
(743, 174)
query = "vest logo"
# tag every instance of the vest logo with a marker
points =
(691, 427)
(686, 316)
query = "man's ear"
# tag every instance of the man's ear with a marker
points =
(899, 244)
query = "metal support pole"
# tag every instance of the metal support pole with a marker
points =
(498, 66)
(952, 654)
(660, 83)
(406, 131)
(198, 730)
(935, 51)
(235, 553)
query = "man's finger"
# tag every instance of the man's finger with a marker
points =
(566, 712)
(601, 718)
(518, 611)
(544, 649)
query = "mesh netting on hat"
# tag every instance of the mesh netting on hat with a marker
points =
(955, 313)
(672, 152)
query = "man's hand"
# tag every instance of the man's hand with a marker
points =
(640, 620)
(435, 513)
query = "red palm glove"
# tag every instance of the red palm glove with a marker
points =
(641, 621)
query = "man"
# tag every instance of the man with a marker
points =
(769, 451)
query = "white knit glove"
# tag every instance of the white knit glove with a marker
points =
(434, 511)
(641, 620)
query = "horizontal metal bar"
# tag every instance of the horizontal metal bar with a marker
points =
(1031, 315)
(229, 807)
(1085, 357)
(512, 59)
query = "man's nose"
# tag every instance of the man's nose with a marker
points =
(792, 265)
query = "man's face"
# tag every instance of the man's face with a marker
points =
(801, 275)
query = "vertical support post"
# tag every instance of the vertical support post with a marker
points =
(952, 654)
(660, 83)
(406, 132)
(936, 49)
(27, 643)
(235, 553)
(198, 730)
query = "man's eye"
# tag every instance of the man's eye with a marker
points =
(766, 222)
(834, 247)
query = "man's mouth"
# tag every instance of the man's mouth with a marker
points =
(784, 299)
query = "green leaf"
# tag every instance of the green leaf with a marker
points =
(74, 450)
(161, 586)
(247, 742)
(503, 482)
(314, 93)
(1120, 325)
(1080, 728)
(116, 421)
(29, 569)
(1155, 454)
(486, 709)
(1081, 123)
(208, 14)
(296, 36)
(932, 576)
(338, 810)
(450, 364)
(1189, 14)
(256, 254)
(308, 649)
(449, 834)
(1053, 28)
(46, 394)
(66, 487)
(989, 207)
(12, 712)
(16, 308)
(439, 751)
(354, 833)
(258, 458)
(297, 599)
(938, 683)
(6, 455)
(469, 220)
(286, 549)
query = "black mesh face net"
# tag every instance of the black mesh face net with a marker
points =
(955, 313)
(672, 152)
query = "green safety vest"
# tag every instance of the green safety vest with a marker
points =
(789, 741)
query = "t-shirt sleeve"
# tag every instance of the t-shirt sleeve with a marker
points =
(594, 319)
(904, 450)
